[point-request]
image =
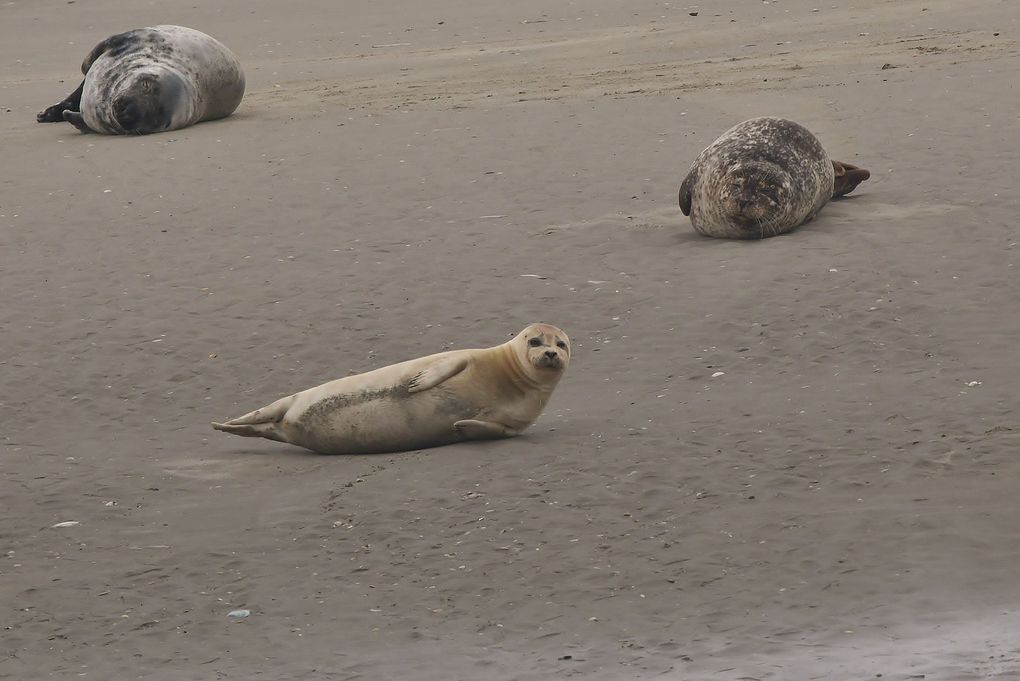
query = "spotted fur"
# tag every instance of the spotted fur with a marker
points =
(150, 80)
(763, 177)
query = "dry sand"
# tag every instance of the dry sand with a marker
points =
(788, 459)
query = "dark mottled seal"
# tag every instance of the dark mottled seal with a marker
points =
(150, 80)
(763, 177)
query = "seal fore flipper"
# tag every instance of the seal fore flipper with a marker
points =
(474, 429)
(686, 193)
(55, 113)
(266, 430)
(440, 371)
(75, 119)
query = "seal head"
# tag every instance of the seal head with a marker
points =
(544, 349)
(756, 196)
(147, 105)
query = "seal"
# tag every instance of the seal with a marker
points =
(763, 177)
(151, 80)
(440, 399)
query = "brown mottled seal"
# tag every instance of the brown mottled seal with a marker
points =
(150, 80)
(763, 177)
(435, 400)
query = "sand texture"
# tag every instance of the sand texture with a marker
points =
(780, 460)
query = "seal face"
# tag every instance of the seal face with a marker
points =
(763, 177)
(150, 80)
(439, 399)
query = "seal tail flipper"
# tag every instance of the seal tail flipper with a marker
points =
(270, 413)
(259, 423)
(847, 178)
(266, 430)
(55, 113)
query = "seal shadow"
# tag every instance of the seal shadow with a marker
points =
(210, 467)
(284, 450)
(281, 450)
(244, 115)
(689, 237)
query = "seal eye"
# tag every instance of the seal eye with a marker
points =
(535, 342)
(561, 344)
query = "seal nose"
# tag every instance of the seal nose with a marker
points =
(126, 112)
(551, 354)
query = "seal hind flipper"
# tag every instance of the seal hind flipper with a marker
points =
(259, 423)
(686, 189)
(847, 178)
(432, 376)
(75, 119)
(271, 413)
(55, 113)
(265, 430)
(473, 429)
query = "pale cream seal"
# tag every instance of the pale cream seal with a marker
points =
(435, 400)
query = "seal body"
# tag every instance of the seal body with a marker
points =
(150, 80)
(435, 400)
(763, 177)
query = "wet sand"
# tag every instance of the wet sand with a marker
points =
(785, 459)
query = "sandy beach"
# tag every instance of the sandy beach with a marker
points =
(780, 460)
